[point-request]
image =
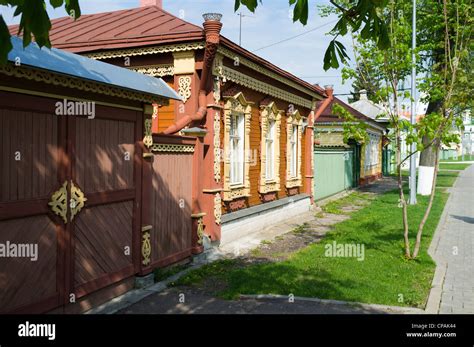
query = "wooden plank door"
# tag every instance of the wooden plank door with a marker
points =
(105, 170)
(33, 168)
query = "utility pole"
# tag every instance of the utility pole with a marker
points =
(412, 200)
(241, 15)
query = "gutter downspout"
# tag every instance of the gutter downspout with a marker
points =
(330, 93)
(212, 29)
(309, 141)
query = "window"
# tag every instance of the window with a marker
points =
(270, 155)
(294, 151)
(236, 177)
(236, 149)
(270, 117)
(372, 151)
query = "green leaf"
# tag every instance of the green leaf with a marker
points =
(250, 4)
(56, 3)
(301, 11)
(327, 56)
(73, 9)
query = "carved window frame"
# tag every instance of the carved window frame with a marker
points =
(270, 113)
(236, 103)
(294, 119)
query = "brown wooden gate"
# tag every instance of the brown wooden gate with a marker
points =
(167, 200)
(72, 186)
(105, 167)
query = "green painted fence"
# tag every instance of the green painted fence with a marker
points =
(333, 172)
(388, 162)
(448, 154)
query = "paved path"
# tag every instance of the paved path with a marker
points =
(456, 247)
(189, 301)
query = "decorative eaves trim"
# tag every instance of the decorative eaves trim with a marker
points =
(77, 83)
(155, 70)
(161, 147)
(259, 86)
(131, 52)
(267, 72)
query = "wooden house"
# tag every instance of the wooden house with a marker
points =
(71, 179)
(252, 120)
(341, 164)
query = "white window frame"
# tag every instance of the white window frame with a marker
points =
(294, 150)
(270, 151)
(237, 153)
(237, 160)
(372, 152)
(270, 160)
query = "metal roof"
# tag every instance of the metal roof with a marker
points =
(329, 117)
(74, 65)
(135, 27)
(140, 27)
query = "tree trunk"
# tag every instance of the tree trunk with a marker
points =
(402, 196)
(430, 203)
(428, 157)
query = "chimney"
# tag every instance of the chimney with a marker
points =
(329, 89)
(145, 3)
(363, 94)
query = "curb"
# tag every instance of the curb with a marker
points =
(395, 309)
(434, 298)
(133, 296)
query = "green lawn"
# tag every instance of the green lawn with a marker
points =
(383, 277)
(445, 179)
(443, 166)
(466, 158)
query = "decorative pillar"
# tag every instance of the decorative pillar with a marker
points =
(309, 156)
(186, 83)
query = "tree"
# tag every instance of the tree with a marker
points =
(432, 31)
(365, 79)
(366, 15)
(444, 82)
(34, 22)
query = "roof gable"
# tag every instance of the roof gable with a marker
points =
(119, 29)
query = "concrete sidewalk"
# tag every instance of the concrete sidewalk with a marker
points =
(454, 250)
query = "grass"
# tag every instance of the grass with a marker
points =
(300, 229)
(443, 166)
(335, 206)
(384, 277)
(162, 274)
(445, 179)
(467, 157)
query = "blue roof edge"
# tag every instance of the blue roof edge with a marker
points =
(71, 64)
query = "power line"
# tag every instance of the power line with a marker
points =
(322, 76)
(296, 36)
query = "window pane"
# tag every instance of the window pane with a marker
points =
(270, 140)
(294, 150)
(236, 148)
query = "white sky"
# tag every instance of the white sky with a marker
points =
(302, 56)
